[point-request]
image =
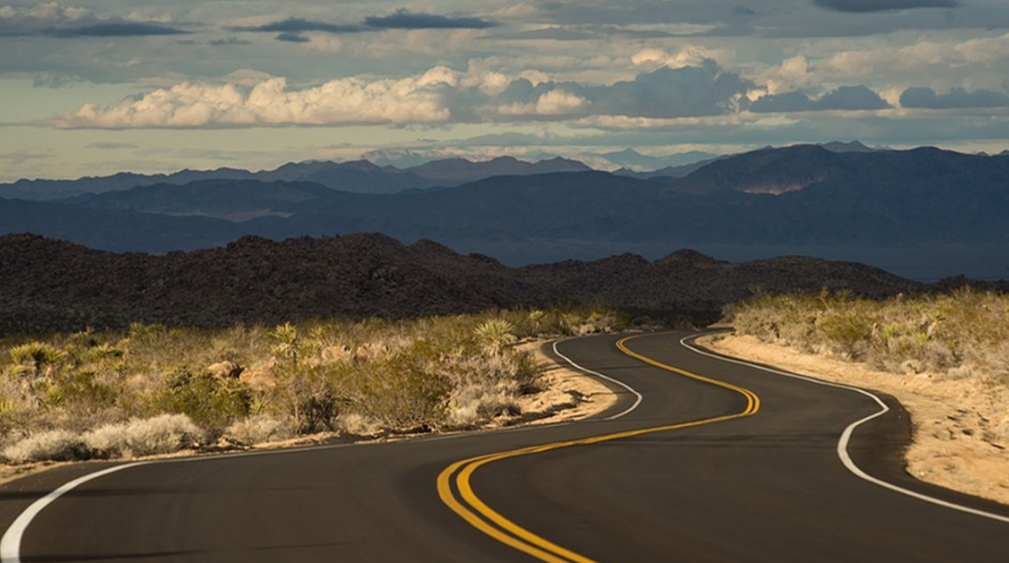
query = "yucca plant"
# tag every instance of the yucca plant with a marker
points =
(495, 334)
(40, 358)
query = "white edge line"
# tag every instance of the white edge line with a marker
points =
(842, 444)
(10, 544)
(629, 410)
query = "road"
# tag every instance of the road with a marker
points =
(740, 467)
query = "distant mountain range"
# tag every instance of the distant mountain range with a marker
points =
(362, 176)
(799, 196)
(356, 177)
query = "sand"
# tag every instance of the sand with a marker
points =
(959, 439)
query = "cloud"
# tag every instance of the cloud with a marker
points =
(690, 91)
(665, 93)
(440, 95)
(291, 37)
(125, 29)
(103, 146)
(845, 98)
(402, 19)
(883, 5)
(20, 157)
(956, 98)
(293, 29)
(228, 41)
(689, 55)
(54, 20)
(31, 20)
(53, 80)
(298, 26)
(270, 102)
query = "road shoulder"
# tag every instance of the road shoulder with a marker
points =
(952, 445)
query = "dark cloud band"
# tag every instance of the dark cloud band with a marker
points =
(116, 30)
(956, 98)
(402, 19)
(883, 5)
(845, 98)
(296, 26)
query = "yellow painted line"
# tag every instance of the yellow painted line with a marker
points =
(456, 491)
(752, 399)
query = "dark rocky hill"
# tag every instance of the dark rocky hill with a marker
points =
(47, 284)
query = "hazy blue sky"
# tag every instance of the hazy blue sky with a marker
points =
(92, 87)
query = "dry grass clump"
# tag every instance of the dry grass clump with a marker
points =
(154, 389)
(161, 434)
(962, 334)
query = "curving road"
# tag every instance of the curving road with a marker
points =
(717, 462)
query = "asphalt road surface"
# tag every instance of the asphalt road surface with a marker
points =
(719, 462)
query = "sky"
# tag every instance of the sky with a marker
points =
(96, 87)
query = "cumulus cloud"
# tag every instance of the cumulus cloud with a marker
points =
(417, 99)
(552, 103)
(845, 98)
(690, 55)
(883, 5)
(956, 98)
(440, 95)
(691, 91)
(403, 19)
(665, 93)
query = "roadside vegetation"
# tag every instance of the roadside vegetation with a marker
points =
(963, 334)
(152, 389)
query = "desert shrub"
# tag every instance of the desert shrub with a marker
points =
(404, 387)
(961, 334)
(53, 445)
(257, 429)
(163, 434)
(310, 395)
(18, 409)
(301, 377)
(845, 333)
(210, 401)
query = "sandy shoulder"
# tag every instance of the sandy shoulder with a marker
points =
(954, 442)
(566, 394)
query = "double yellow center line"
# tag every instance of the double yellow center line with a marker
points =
(456, 491)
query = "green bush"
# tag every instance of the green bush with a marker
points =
(212, 402)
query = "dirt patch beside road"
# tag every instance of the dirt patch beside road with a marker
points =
(953, 443)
